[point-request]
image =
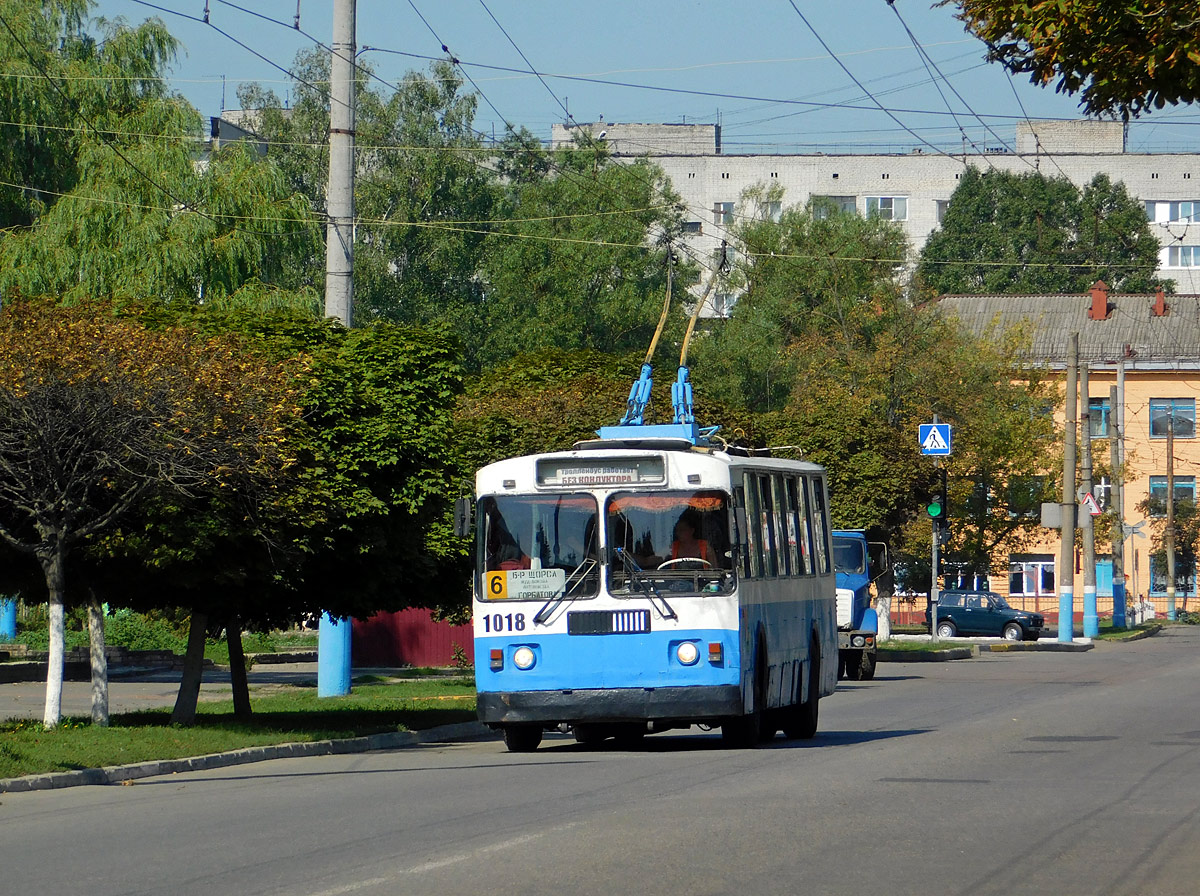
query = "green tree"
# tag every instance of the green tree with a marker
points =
(1126, 56)
(579, 260)
(97, 413)
(424, 194)
(1028, 233)
(59, 76)
(815, 270)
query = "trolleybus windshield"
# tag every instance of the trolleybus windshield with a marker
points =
(545, 545)
(676, 541)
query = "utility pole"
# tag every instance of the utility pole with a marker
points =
(1117, 498)
(333, 637)
(1066, 556)
(339, 196)
(1091, 619)
(1169, 532)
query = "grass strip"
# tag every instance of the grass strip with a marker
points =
(280, 715)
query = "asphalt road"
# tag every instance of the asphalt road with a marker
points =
(1055, 773)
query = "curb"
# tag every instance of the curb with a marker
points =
(119, 774)
(1029, 646)
(928, 656)
(1137, 636)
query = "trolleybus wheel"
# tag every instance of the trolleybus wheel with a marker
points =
(522, 738)
(802, 718)
(741, 732)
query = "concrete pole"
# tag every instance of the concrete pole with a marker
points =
(1091, 619)
(1169, 531)
(333, 644)
(1117, 500)
(339, 197)
(1066, 557)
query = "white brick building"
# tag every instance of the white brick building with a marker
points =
(914, 189)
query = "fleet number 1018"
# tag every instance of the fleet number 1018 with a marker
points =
(504, 622)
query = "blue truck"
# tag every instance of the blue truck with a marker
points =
(857, 622)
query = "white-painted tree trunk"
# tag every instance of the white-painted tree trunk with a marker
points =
(99, 662)
(54, 668)
(883, 609)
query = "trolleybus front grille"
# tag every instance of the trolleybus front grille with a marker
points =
(608, 622)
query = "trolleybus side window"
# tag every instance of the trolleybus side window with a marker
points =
(820, 536)
(538, 532)
(795, 551)
(770, 566)
(803, 510)
(753, 526)
(779, 517)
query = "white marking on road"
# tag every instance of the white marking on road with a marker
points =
(434, 865)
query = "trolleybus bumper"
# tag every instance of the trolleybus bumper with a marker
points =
(695, 704)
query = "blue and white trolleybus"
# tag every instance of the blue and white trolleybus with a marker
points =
(640, 583)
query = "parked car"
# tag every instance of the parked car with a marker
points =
(984, 613)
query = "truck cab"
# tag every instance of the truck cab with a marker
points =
(857, 622)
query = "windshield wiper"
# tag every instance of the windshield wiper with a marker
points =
(635, 574)
(575, 578)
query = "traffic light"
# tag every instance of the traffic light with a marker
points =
(939, 512)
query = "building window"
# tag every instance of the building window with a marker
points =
(1031, 575)
(723, 302)
(1185, 575)
(890, 208)
(1183, 256)
(723, 213)
(824, 206)
(942, 205)
(693, 227)
(1184, 211)
(1185, 492)
(770, 211)
(1098, 414)
(1174, 414)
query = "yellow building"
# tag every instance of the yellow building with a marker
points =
(1149, 347)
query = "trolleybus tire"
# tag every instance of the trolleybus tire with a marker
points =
(802, 718)
(745, 731)
(522, 738)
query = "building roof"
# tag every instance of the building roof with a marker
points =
(1131, 332)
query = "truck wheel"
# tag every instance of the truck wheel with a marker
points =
(854, 665)
(868, 666)
(522, 738)
(590, 735)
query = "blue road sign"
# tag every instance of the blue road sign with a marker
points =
(935, 439)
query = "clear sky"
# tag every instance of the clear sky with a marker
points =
(778, 76)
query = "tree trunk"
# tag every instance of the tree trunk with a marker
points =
(184, 712)
(237, 669)
(53, 568)
(883, 604)
(99, 661)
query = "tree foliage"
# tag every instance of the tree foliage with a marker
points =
(97, 413)
(1120, 56)
(1028, 233)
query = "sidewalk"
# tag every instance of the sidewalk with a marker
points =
(133, 689)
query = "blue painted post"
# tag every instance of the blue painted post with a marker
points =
(8, 619)
(1118, 603)
(1091, 617)
(333, 657)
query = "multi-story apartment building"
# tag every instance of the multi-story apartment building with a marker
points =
(913, 189)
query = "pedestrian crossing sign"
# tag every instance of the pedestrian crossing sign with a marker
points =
(935, 439)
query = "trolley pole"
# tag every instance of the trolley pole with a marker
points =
(1091, 619)
(1116, 497)
(1066, 557)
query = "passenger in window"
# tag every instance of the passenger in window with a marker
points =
(688, 543)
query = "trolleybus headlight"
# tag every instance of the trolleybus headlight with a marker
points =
(688, 653)
(523, 658)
